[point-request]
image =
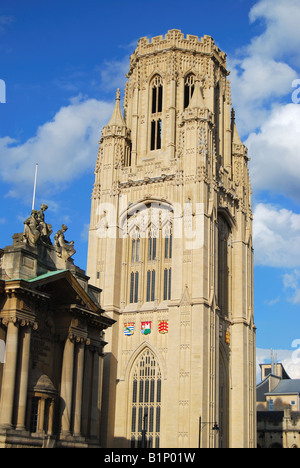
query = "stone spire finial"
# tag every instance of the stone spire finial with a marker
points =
(197, 101)
(235, 134)
(117, 118)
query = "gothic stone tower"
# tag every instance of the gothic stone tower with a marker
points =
(171, 246)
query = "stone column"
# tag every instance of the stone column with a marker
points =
(79, 388)
(87, 387)
(67, 387)
(95, 396)
(41, 415)
(51, 416)
(9, 375)
(22, 400)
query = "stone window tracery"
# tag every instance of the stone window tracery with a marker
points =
(148, 261)
(156, 110)
(189, 87)
(146, 401)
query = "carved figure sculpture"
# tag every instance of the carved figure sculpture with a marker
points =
(36, 228)
(64, 248)
(31, 229)
(44, 228)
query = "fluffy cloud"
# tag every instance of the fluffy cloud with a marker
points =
(64, 148)
(276, 234)
(274, 153)
(291, 282)
(281, 37)
(113, 73)
(259, 76)
(257, 85)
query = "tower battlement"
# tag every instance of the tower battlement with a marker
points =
(175, 39)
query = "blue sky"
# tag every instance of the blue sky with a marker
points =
(62, 62)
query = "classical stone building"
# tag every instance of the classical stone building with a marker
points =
(171, 246)
(51, 343)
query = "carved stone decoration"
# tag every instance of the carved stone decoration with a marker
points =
(36, 228)
(31, 231)
(64, 248)
(44, 228)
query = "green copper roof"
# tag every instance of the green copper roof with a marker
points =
(46, 275)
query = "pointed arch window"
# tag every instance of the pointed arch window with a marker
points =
(157, 94)
(135, 246)
(152, 244)
(168, 244)
(146, 401)
(150, 285)
(189, 87)
(156, 110)
(167, 283)
(134, 287)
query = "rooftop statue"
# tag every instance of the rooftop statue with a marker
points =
(64, 248)
(36, 228)
(31, 231)
(44, 228)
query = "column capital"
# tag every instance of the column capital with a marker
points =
(20, 321)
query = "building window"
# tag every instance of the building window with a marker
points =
(155, 134)
(271, 405)
(167, 283)
(127, 156)
(151, 248)
(189, 87)
(146, 401)
(134, 287)
(156, 110)
(150, 285)
(135, 250)
(34, 414)
(157, 94)
(168, 246)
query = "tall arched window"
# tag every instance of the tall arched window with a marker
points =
(189, 87)
(150, 296)
(134, 287)
(146, 402)
(157, 94)
(135, 246)
(156, 110)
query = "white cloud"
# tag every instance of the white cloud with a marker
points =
(113, 73)
(257, 85)
(276, 234)
(274, 153)
(282, 34)
(64, 148)
(291, 282)
(261, 75)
